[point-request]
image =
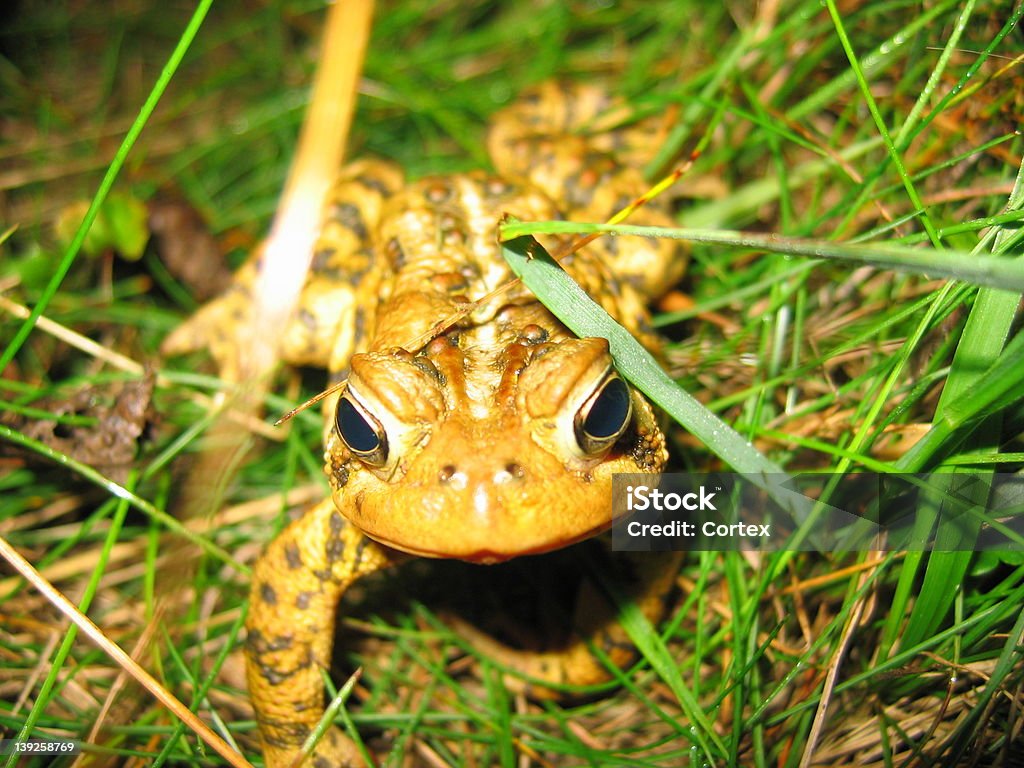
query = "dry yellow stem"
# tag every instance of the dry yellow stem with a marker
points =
(289, 248)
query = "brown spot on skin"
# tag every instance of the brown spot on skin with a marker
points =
(439, 345)
(284, 734)
(322, 259)
(268, 595)
(438, 193)
(350, 217)
(453, 231)
(293, 557)
(339, 474)
(360, 549)
(337, 522)
(449, 282)
(454, 237)
(533, 334)
(497, 187)
(258, 644)
(401, 353)
(275, 675)
(395, 253)
(302, 600)
(335, 550)
(375, 184)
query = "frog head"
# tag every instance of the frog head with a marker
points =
(461, 453)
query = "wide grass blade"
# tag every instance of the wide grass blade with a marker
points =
(553, 286)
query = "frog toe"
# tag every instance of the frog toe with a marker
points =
(215, 327)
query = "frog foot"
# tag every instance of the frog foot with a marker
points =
(218, 327)
(542, 675)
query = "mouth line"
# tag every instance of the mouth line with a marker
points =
(483, 555)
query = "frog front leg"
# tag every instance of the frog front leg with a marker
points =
(296, 586)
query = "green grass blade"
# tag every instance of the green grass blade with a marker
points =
(993, 271)
(120, 491)
(653, 648)
(983, 368)
(1005, 676)
(108, 181)
(875, 62)
(883, 131)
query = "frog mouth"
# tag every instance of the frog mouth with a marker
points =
(484, 555)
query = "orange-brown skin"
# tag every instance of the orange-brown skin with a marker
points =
(483, 460)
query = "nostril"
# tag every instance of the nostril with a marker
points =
(447, 473)
(509, 473)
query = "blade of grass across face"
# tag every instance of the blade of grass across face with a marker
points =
(582, 315)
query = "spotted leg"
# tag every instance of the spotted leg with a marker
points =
(296, 586)
(644, 579)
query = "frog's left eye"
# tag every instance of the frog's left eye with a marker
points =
(604, 417)
(360, 431)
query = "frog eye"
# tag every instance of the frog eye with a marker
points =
(604, 416)
(360, 431)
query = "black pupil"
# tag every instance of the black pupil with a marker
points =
(357, 433)
(609, 412)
